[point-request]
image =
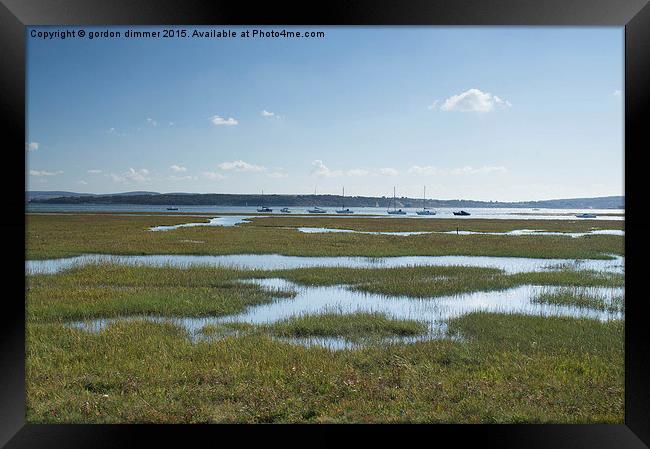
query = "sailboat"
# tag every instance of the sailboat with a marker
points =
(263, 208)
(343, 210)
(316, 209)
(424, 210)
(395, 210)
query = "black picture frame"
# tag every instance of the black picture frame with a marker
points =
(634, 15)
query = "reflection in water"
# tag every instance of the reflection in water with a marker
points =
(227, 221)
(341, 299)
(328, 230)
(516, 232)
(277, 261)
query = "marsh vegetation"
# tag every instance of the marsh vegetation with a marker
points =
(489, 366)
(53, 236)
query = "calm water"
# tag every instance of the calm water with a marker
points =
(341, 299)
(494, 213)
(515, 232)
(228, 221)
(277, 261)
(328, 230)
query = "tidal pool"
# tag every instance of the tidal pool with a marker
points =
(342, 299)
(515, 232)
(227, 221)
(277, 261)
(326, 230)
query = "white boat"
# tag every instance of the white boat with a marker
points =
(586, 215)
(285, 210)
(344, 210)
(395, 210)
(424, 210)
(316, 210)
(262, 208)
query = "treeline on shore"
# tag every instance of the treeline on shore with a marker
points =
(214, 199)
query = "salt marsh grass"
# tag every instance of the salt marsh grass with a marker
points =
(581, 297)
(507, 368)
(354, 326)
(52, 236)
(502, 368)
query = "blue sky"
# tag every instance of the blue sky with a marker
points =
(489, 113)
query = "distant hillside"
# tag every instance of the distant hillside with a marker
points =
(47, 194)
(215, 199)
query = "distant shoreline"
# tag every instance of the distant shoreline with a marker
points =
(235, 200)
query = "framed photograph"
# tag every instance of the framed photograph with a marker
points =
(362, 212)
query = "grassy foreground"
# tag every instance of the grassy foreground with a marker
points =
(51, 236)
(510, 368)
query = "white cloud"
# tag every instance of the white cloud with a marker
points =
(266, 113)
(424, 170)
(132, 175)
(152, 122)
(388, 171)
(178, 168)
(320, 169)
(220, 121)
(467, 170)
(94, 171)
(357, 172)
(433, 105)
(473, 100)
(44, 173)
(240, 166)
(212, 175)
(31, 146)
(617, 93)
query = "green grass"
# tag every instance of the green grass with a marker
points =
(533, 334)
(354, 326)
(502, 369)
(581, 297)
(508, 369)
(52, 236)
(111, 290)
(423, 282)
(437, 225)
